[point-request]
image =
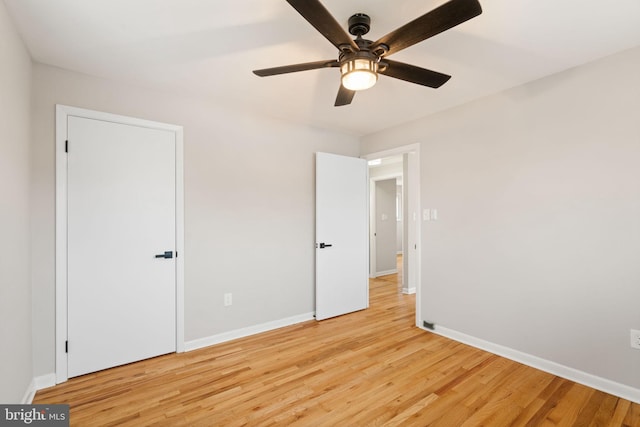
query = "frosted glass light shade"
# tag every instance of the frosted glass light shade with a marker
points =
(359, 74)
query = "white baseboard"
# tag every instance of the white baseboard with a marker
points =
(30, 393)
(245, 332)
(386, 272)
(408, 291)
(584, 378)
(38, 383)
(45, 381)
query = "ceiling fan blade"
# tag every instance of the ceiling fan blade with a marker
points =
(428, 25)
(296, 67)
(413, 74)
(318, 16)
(345, 96)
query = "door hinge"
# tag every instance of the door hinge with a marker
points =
(66, 346)
(66, 146)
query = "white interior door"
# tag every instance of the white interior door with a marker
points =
(121, 213)
(342, 247)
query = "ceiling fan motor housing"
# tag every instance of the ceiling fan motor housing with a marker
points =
(359, 24)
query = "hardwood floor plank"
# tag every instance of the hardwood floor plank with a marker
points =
(566, 411)
(370, 368)
(632, 418)
(560, 388)
(411, 412)
(503, 401)
(620, 412)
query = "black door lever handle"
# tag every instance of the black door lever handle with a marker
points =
(325, 245)
(167, 254)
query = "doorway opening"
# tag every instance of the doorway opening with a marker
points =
(386, 215)
(394, 190)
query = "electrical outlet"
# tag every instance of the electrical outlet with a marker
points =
(635, 339)
(228, 300)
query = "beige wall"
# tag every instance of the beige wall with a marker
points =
(249, 204)
(537, 246)
(16, 367)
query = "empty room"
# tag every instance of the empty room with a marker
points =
(196, 197)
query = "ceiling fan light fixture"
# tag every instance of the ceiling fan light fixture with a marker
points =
(359, 73)
(361, 60)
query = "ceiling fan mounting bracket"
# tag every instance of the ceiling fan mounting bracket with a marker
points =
(359, 24)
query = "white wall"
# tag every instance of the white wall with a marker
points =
(537, 246)
(249, 204)
(16, 367)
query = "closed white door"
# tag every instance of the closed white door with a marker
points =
(342, 246)
(121, 216)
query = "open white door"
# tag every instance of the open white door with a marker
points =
(121, 222)
(342, 246)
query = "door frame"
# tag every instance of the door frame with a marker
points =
(63, 112)
(411, 179)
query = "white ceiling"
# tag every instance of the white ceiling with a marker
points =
(210, 47)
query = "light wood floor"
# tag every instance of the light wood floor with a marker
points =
(371, 368)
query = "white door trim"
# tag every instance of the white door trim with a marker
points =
(62, 114)
(413, 200)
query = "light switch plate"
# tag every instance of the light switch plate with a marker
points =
(635, 339)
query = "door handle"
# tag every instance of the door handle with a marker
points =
(325, 245)
(167, 254)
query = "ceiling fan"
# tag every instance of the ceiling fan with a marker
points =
(360, 60)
